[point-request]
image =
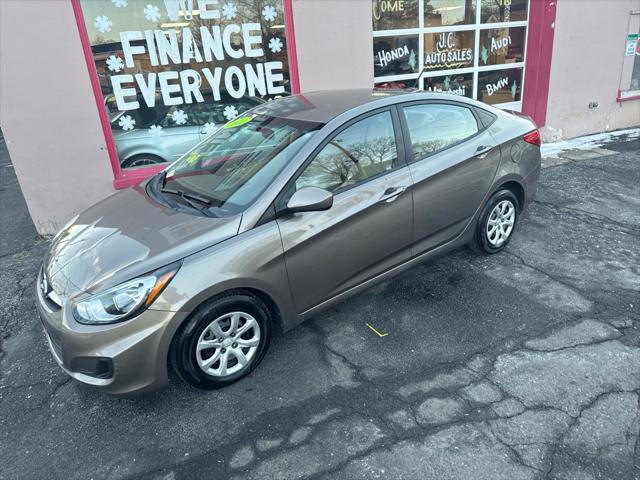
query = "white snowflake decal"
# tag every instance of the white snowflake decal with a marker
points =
(126, 122)
(208, 128)
(179, 117)
(115, 63)
(269, 13)
(275, 45)
(119, 3)
(229, 10)
(103, 24)
(230, 112)
(151, 13)
(155, 131)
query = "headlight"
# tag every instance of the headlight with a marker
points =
(124, 301)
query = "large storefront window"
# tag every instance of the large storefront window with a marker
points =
(473, 48)
(172, 71)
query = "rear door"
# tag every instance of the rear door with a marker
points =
(453, 160)
(368, 228)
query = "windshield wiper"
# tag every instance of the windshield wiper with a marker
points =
(163, 178)
(189, 198)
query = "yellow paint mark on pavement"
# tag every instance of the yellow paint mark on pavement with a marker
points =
(377, 332)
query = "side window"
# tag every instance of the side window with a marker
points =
(363, 150)
(433, 127)
(485, 117)
(179, 116)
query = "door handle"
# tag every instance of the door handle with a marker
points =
(391, 193)
(482, 151)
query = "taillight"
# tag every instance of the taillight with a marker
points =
(533, 138)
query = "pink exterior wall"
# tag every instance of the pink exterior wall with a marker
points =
(48, 113)
(334, 40)
(588, 53)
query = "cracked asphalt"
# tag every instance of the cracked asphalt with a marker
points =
(521, 365)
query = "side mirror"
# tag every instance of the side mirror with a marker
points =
(310, 199)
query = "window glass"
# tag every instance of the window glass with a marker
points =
(629, 83)
(448, 50)
(361, 151)
(396, 55)
(501, 45)
(459, 41)
(449, 12)
(394, 14)
(395, 84)
(433, 127)
(456, 84)
(172, 71)
(500, 86)
(494, 11)
(236, 163)
(635, 75)
(485, 117)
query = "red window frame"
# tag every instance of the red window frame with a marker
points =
(125, 178)
(542, 17)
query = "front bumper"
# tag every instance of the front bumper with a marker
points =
(128, 358)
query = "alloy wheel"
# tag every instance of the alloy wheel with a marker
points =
(500, 223)
(141, 162)
(228, 344)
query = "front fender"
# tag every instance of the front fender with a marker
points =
(252, 260)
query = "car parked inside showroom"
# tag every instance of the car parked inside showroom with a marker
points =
(162, 134)
(286, 210)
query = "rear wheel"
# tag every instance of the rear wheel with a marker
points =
(496, 223)
(223, 340)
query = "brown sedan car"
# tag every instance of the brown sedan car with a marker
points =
(284, 211)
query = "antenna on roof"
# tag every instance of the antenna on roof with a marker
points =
(417, 84)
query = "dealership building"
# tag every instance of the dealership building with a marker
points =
(96, 95)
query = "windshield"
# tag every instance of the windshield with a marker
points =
(237, 162)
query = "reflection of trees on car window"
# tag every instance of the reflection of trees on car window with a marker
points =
(330, 169)
(362, 151)
(433, 127)
(377, 152)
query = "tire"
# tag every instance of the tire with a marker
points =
(141, 161)
(211, 324)
(501, 210)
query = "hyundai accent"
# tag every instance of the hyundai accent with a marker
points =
(285, 210)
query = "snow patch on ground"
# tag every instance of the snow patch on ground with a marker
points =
(587, 142)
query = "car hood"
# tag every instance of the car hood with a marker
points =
(124, 236)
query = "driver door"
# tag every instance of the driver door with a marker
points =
(369, 227)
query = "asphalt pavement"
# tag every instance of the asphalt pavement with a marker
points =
(521, 365)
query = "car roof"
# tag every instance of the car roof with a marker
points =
(323, 106)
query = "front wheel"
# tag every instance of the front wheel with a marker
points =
(141, 160)
(223, 340)
(496, 223)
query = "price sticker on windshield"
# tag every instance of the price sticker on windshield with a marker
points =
(236, 122)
